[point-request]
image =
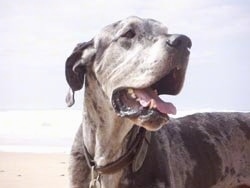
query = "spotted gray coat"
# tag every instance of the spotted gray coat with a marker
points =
(209, 150)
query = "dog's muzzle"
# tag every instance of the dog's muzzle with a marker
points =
(145, 103)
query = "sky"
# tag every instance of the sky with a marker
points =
(36, 37)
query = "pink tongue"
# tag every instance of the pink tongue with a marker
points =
(146, 96)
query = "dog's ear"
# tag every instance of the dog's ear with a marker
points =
(75, 68)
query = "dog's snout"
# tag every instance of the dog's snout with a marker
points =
(179, 41)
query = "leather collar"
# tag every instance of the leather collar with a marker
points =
(136, 154)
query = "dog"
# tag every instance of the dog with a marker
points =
(126, 138)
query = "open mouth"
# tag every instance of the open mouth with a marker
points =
(145, 103)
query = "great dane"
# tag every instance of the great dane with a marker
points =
(126, 138)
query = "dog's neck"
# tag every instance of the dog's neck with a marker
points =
(104, 132)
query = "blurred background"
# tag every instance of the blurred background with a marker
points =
(36, 37)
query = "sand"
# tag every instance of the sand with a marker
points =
(28, 170)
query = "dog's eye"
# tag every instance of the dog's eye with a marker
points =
(129, 34)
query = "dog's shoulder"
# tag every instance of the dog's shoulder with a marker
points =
(207, 125)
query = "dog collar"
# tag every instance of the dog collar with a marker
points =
(136, 154)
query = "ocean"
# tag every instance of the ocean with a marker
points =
(44, 131)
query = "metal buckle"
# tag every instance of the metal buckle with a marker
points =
(95, 179)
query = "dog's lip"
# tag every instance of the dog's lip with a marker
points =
(171, 83)
(149, 113)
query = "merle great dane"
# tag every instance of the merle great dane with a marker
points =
(126, 138)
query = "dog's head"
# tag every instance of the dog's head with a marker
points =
(134, 60)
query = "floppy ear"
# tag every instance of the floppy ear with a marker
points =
(75, 68)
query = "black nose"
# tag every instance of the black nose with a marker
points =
(179, 41)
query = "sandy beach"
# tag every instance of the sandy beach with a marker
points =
(28, 170)
(34, 147)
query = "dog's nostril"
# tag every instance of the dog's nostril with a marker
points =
(179, 41)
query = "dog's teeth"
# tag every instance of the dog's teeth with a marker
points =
(152, 104)
(131, 93)
(133, 96)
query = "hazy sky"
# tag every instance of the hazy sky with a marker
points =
(36, 37)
